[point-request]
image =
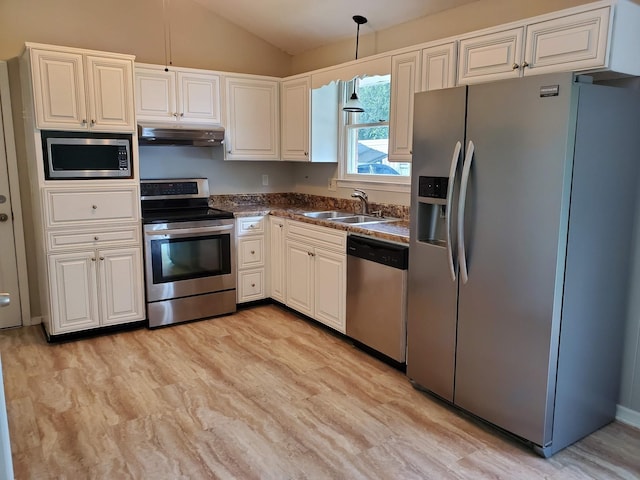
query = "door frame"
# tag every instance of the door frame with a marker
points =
(14, 192)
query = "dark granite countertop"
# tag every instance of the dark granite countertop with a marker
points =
(397, 231)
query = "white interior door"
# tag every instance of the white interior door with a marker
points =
(10, 315)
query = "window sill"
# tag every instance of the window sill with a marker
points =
(381, 185)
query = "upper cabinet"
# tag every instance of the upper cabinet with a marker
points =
(405, 78)
(82, 91)
(492, 56)
(295, 99)
(186, 95)
(590, 37)
(252, 118)
(577, 42)
(438, 67)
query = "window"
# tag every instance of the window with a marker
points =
(367, 134)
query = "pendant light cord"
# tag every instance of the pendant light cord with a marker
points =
(357, 40)
(168, 56)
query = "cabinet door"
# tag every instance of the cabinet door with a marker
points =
(121, 285)
(155, 95)
(58, 86)
(405, 78)
(294, 111)
(575, 42)
(438, 67)
(110, 88)
(300, 277)
(277, 258)
(199, 98)
(489, 57)
(73, 290)
(253, 127)
(330, 277)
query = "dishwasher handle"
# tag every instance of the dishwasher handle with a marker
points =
(378, 251)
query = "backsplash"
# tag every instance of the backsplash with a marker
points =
(306, 201)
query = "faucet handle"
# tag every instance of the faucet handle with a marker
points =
(358, 192)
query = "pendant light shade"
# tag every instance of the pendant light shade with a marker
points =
(353, 104)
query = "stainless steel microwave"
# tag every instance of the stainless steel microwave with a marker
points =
(82, 156)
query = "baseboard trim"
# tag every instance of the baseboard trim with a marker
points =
(628, 416)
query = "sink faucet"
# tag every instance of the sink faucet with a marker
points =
(364, 199)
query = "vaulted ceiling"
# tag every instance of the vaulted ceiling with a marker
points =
(297, 26)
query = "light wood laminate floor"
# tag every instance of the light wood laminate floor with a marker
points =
(261, 394)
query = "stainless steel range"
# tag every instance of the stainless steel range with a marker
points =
(189, 252)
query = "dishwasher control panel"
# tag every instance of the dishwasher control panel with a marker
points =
(385, 253)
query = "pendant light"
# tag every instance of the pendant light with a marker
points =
(353, 104)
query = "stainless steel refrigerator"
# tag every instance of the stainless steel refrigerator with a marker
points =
(522, 208)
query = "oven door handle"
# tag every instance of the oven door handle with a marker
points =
(188, 232)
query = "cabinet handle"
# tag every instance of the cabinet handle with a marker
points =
(101, 258)
(96, 238)
(182, 115)
(175, 114)
(280, 225)
(84, 121)
(93, 259)
(93, 122)
(525, 64)
(306, 154)
(515, 66)
(95, 207)
(253, 252)
(253, 285)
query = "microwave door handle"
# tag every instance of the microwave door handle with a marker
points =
(186, 232)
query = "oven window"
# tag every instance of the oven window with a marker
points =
(186, 258)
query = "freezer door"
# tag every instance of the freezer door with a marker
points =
(439, 123)
(515, 237)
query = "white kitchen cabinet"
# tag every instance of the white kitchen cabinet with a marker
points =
(82, 91)
(253, 122)
(277, 260)
(316, 273)
(179, 95)
(95, 288)
(565, 41)
(574, 42)
(405, 78)
(295, 99)
(300, 277)
(492, 56)
(81, 206)
(438, 67)
(251, 258)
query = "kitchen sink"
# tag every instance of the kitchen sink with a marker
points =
(330, 214)
(361, 219)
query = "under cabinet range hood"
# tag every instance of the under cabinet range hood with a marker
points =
(180, 134)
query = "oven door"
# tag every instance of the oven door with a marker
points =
(189, 258)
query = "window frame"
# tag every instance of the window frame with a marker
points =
(394, 183)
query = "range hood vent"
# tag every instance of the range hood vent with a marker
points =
(180, 134)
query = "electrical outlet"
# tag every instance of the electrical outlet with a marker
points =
(265, 179)
(333, 185)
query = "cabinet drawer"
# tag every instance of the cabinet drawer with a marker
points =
(250, 226)
(251, 252)
(67, 239)
(321, 236)
(100, 205)
(251, 285)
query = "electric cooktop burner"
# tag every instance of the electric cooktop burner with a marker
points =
(178, 200)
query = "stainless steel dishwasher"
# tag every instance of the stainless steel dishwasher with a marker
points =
(377, 295)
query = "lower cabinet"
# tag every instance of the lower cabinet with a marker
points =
(95, 288)
(316, 268)
(251, 252)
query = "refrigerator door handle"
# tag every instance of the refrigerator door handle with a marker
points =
(452, 178)
(466, 170)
